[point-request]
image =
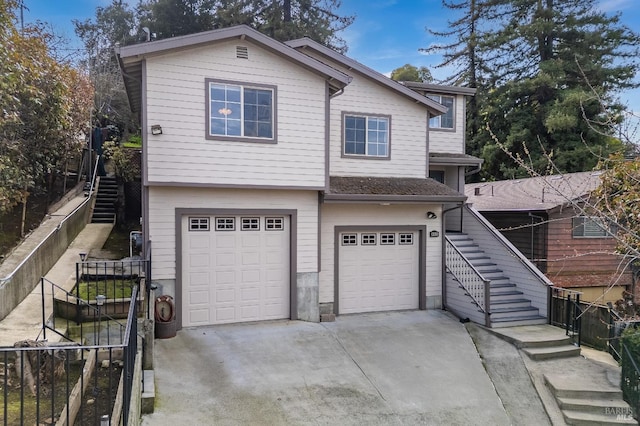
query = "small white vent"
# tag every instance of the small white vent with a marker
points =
(242, 52)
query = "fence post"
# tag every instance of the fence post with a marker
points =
(44, 328)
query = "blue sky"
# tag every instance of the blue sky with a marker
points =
(385, 35)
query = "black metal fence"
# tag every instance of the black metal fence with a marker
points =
(630, 382)
(565, 312)
(44, 383)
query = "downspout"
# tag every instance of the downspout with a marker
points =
(443, 250)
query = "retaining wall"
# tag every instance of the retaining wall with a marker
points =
(15, 286)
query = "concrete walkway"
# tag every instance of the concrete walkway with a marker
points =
(393, 368)
(25, 321)
(591, 370)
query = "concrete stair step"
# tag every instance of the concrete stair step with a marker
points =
(518, 321)
(579, 418)
(552, 352)
(563, 386)
(149, 392)
(595, 406)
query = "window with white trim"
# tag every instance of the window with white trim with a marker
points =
(198, 224)
(240, 111)
(250, 224)
(366, 135)
(368, 239)
(387, 239)
(349, 240)
(589, 227)
(274, 223)
(225, 224)
(405, 239)
(444, 121)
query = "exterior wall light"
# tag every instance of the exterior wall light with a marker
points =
(431, 215)
(156, 129)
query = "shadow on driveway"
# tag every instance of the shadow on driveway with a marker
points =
(394, 368)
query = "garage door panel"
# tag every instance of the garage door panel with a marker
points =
(378, 277)
(225, 259)
(235, 275)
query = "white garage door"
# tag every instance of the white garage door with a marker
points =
(235, 269)
(378, 271)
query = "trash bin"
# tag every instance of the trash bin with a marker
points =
(165, 317)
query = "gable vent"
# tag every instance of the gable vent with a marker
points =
(242, 52)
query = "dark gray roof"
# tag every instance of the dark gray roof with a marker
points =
(131, 57)
(435, 108)
(450, 158)
(541, 193)
(382, 189)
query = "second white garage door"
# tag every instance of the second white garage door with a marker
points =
(378, 271)
(235, 269)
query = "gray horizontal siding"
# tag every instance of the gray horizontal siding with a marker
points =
(459, 303)
(521, 271)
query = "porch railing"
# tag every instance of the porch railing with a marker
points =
(565, 312)
(70, 383)
(469, 278)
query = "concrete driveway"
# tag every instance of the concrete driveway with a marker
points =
(397, 368)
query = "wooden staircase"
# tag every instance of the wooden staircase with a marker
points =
(105, 208)
(508, 305)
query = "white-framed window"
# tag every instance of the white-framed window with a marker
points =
(198, 224)
(240, 111)
(250, 223)
(349, 240)
(444, 121)
(225, 224)
(274, 223)
(368, 239)
(589, 227)
(366, 135)
(387, 239)
(405, 239)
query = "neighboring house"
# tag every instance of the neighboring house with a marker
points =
(290, 181)
(545, 218)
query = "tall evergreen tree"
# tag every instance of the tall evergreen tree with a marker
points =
(464, 54)
(553, 70)
(556, 65)
(113, 25)
(281, 19)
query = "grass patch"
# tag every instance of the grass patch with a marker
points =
(113, 289)
(118, 241)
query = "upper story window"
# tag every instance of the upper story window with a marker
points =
(238, 111)
(444, 121)
(366, 135)
(589, 227)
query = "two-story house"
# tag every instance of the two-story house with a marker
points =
(285, 180)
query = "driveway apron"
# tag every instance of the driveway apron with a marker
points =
(396, 368)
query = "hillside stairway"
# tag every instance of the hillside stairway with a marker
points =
(105, 208)
(574, 388)
(508, 305)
